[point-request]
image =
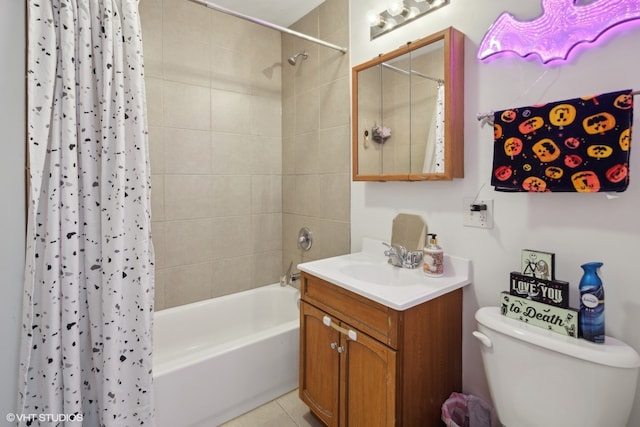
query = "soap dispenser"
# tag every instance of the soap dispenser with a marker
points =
(433, 259)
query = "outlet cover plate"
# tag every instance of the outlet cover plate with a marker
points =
(479, 219)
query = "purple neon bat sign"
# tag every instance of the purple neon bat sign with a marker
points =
(563, 25)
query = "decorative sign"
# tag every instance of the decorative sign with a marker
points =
(563, 25)
(560, 320)
(553, 292)
(538, 264)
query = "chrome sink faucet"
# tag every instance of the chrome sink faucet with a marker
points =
(395, 254)
(399, 256)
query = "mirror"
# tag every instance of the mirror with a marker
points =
(409, 231)
(408, 121)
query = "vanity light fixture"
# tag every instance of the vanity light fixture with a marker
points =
(400, 12)
(398, 8)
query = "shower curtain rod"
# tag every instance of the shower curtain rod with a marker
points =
(269, 25)
(406, 73)
(488, 117)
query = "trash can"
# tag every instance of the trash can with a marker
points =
(462, 410)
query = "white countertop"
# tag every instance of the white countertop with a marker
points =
(368, 274)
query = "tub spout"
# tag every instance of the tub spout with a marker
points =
(288, 278)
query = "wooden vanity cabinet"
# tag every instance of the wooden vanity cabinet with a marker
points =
(365, 364)
(346, 381)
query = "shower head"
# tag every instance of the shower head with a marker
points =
(294, 59)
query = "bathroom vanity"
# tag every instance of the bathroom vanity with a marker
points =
(379, 345)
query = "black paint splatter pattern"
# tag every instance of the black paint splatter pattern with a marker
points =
(88, 295)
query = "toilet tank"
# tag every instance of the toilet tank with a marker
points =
(541, 378)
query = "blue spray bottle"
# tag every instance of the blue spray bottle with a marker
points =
(591, 320)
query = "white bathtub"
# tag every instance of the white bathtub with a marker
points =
(216, 359)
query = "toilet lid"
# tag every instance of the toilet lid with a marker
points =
(612, 353)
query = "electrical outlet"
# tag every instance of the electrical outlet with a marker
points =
(477, 213)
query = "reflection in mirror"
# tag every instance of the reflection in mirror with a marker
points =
(395, 89)
(409, 231)
(370, 121)
(407, 108)
(426, 110)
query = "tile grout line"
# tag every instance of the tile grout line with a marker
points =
(286, 412)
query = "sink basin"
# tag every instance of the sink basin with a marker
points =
(368, 273)
(383, 274)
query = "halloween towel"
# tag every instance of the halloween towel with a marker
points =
(577, 145)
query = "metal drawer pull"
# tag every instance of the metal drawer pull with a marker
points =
(353, 335)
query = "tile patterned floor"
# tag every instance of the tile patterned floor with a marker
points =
(285, 411)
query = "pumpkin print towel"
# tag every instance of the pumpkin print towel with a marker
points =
(577, 145)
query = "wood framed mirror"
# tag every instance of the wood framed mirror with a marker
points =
(408, 112)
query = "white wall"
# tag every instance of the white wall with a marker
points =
(576, 227)
(12, 195)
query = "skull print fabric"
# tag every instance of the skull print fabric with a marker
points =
(577, 145)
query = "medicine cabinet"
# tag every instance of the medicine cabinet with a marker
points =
(408, 121)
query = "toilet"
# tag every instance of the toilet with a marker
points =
(541, 378)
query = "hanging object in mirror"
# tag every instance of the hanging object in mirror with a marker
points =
(380, 134)
(305, 239)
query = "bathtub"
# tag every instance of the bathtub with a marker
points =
(216, 359)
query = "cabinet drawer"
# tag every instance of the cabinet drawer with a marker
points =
(372, 318)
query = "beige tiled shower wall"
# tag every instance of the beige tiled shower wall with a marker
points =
(245, 149)
(315, 136)
(214, 110)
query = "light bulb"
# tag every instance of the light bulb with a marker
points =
(375, 20)
(396, 8)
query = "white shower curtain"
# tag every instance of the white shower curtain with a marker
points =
(88, 291)
(434, 151)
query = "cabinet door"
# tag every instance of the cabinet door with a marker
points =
(368, 388)
(319, 365)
